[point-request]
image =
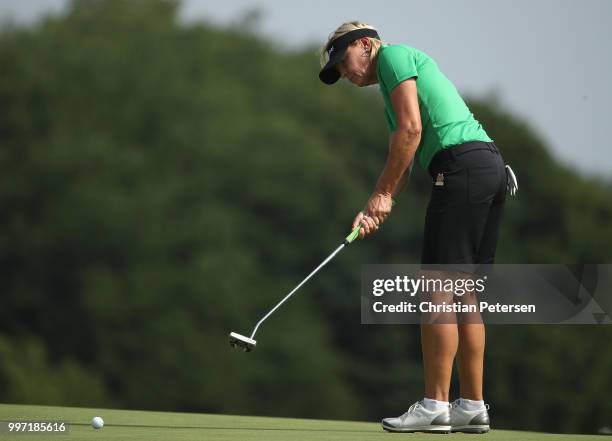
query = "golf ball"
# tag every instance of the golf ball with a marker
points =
(97, 423)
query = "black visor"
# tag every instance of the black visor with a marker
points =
(336, 50)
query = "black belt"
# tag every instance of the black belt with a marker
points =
(451, 152)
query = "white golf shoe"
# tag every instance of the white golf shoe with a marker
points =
(419, 419)
(469, 421)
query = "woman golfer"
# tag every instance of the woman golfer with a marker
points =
(426, 117)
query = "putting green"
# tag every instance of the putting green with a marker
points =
(153, 426)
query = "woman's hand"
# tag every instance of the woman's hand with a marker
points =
(376, 211)
(379, 207)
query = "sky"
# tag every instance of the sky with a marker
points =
(549, 61)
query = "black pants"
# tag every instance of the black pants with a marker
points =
(465, 209)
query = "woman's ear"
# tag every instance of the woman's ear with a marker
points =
(367, 47)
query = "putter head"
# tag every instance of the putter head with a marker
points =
(240, 341)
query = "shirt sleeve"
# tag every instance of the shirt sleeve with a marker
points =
(396, 64)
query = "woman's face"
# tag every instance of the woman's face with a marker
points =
(356, 66)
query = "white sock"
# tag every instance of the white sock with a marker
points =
(472, 404)
(433, 405)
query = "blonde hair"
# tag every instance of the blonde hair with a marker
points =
(345, 28)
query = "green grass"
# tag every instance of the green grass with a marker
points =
(158, 426)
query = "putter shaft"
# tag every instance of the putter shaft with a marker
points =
(330, 257)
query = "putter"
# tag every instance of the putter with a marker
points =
(248, 343)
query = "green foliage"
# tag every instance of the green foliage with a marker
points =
(27, 376)
(164, 184)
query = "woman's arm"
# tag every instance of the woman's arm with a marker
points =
(402, 147)
(403, 180)
(404, 140)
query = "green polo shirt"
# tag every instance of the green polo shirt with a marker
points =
(445, 118)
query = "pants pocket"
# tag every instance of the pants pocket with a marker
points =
(453, 190)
